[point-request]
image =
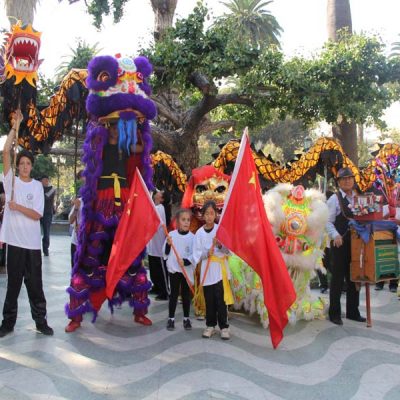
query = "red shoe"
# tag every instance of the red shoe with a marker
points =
(72, 326)
(142, 319)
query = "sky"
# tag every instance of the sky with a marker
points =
(303, 23)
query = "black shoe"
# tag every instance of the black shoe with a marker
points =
(323, 290)
(357, 319)
(46, 253)
(4, 330)
(187, 325)
(393, 289)
(170, 325)
(161, 297)
(336, 320)
(45, 329)
(378, 287)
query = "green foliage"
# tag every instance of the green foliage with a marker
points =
(100, 8)
(43, 166)
(79, 58)
(188, 47)
(253, 22)
(46, 88)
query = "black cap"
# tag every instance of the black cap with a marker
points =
(344, 173)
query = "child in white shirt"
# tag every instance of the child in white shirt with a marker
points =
(217, 292)
(182, 240)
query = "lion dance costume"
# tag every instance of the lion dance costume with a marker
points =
(118, 101)
(298, 218)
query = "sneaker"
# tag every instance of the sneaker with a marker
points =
(45, 329)
(72, 326)
(379, 286)
(187, 325)
(225, 334)
(142, 319)
(170, 325)
(208, 332)
(4, 330)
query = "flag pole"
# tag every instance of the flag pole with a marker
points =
(179, 259)
(15, 157)
(208, 265)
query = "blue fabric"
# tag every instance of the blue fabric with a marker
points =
(365, 229)
(127, 134)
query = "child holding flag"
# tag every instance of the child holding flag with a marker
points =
(215, 273)
(180, 269)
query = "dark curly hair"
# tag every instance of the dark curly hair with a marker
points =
(27, 154)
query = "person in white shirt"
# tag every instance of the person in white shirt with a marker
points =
(182, 240)
(339, 232)
(158, 273)
(21, 232)
(217, 291)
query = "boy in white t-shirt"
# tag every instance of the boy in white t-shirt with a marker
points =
(21, 232)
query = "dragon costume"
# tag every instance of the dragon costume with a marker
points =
(119, 107)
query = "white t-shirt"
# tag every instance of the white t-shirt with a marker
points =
(18, 229)
(76, 224)
(155, 246)
(201, 246)
(184, 247)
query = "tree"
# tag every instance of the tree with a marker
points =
(23, 10)
(252, 21)
(43, 166)
(79, 58)
(339, 23)
(164, 11)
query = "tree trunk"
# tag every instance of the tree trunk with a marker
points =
(23, 10)
(339, 17)
(346, 134)
(164, 11)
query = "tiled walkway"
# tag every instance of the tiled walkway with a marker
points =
(118, 359)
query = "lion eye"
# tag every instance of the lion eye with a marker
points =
(201, 188)
(220, 189)
(103, 76)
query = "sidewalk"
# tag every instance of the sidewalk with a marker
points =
(118, 359)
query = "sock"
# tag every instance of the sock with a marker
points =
(185, 318)
(172, 319)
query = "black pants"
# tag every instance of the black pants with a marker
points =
(178, 285)
(326, 261)
(45, 221)
(73, 250)
(24, 264)
(158, 275)
(216, 309)
(341, 257)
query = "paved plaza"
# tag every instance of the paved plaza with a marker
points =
(118, 359)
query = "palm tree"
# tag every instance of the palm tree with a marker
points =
(338, 17)
(253, 21)
(79, 58)
(23, 10)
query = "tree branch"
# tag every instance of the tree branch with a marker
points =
(202, 83)
(167, 112)
(208, 126)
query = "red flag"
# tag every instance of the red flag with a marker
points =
(138, 224)
(245, 230)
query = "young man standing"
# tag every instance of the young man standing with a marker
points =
(339, 232)
(45, 221)
(21, 232)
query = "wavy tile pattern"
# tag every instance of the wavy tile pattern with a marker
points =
(117, 359)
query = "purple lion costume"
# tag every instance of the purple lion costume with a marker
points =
(118, 139)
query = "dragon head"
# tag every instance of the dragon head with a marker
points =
(21, 54)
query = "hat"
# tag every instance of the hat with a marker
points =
(344, 173)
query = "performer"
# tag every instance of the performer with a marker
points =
(117, 141)
(182, 239)
(217, 291)
(339, 232)
(21, 232)
(158, 271)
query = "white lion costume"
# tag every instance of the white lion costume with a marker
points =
(298, 218)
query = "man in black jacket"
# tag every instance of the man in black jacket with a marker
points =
(45, 221)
